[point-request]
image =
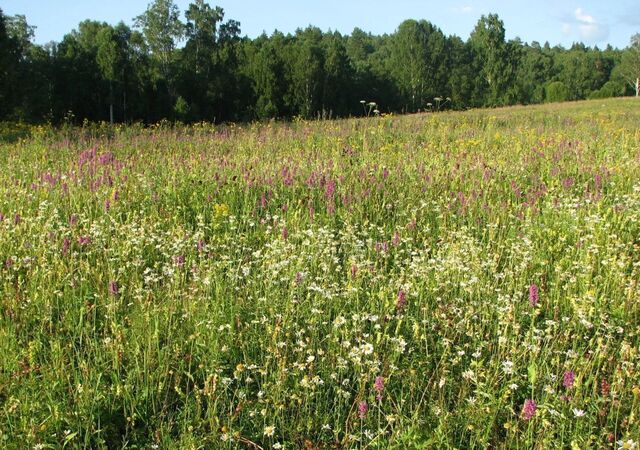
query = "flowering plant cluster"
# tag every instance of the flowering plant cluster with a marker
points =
(463, 280)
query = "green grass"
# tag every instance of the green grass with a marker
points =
(195, 287)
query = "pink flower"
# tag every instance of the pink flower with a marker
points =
(378, 385)
(362, 409)
(330, 189)
(534, 295)
(568, 379)
(66, 243)
(402, 300)
(529, 409)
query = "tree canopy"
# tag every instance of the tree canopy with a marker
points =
(197, 66)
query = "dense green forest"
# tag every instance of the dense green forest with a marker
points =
(200, 68)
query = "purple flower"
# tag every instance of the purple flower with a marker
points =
(567, 182)
(179, 260)
(107, 205)
(568, 379)
(200, 245)
(534, 295)
(299, 277)
(73, 220)
(106, 158)
(1, 217)
(529, 409)
(84, 240)
(362, 409)
(285, 233)
(330, 189)
(354, 270)
(66, 243)
(402, 300)
(17, 219)
(378, 385)
(114, 289)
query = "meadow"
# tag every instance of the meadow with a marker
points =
(447, 280)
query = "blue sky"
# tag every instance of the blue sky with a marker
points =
(559, 22)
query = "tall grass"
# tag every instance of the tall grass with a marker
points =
(452, 280)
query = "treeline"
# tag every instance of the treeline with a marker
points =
(200, 68)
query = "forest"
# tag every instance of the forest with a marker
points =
(197, 66)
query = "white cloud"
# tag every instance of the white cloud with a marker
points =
(583, 17)
(585, 26)
(465, 9)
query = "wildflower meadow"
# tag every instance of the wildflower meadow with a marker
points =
(446, 280)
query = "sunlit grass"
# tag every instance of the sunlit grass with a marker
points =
(450, 280)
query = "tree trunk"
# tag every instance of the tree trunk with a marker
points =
(637, 87)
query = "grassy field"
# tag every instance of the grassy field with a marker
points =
(453, 280)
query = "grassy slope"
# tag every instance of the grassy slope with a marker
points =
(194, 288)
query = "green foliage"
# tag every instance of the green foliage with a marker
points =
(417, 63)
(610, 89)
(556, 91)
(497, 59)
(630, 64)
(162, 29)
(181, 109)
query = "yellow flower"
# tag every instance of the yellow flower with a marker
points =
(221, 209)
